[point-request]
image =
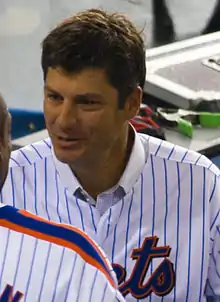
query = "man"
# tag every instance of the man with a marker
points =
(152, 206)
(45, 261)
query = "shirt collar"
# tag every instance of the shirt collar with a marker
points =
(67, 177)
(135, 163)
(130, 175)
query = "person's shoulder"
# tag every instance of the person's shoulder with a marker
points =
(174, 153)
(57, 234)
(31, 154)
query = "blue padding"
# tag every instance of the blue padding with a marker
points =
(25, 122)
(216, 160)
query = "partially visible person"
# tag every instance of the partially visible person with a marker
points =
(45, 261)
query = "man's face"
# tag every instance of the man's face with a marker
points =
(5, 148)
(82, 115)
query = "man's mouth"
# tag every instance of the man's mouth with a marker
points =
(68, 138)
(69, 142)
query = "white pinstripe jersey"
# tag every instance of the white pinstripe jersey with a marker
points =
(162, 236)
(45, 261)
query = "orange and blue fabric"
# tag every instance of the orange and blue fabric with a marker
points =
(60, 234)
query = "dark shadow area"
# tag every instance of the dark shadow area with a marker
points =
(164, 27)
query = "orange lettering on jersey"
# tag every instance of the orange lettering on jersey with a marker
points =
(161, 281)
(7, 295)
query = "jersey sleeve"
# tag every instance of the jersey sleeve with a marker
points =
(212, 291)
(104, 289)
(101, 290)
(97, 271)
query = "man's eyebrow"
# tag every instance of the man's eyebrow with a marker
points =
(77, 96)
(47, 87)
(89, 95)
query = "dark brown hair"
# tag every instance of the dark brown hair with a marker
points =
(97, 39)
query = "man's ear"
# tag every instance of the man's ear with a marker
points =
(1, 154)
(133, 103)
(1, 149)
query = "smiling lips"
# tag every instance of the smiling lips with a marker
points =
(69, 141)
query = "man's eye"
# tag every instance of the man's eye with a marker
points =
(54, 97)
(88, 102)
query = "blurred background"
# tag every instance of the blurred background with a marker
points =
(24, 23)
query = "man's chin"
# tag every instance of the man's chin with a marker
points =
(67, 156)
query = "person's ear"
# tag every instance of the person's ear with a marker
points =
(133, 103)
(1, 147)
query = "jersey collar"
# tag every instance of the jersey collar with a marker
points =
(135, 164)
(66, 175)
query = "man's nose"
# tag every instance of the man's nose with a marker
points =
(68, 115)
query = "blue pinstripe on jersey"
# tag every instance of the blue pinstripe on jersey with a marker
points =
(23, 186)
(45, 272)
(12, 187)
(158, 148)
(108, 224)
(203, 234)
(5, 255)
(184, 156)
(35, 188)
(93, 286)
(210, 286)
(171, 152)
(141, 214)
(12, 159)
(178, 222)
(25, 156)
(117, 298)
(190, 229)
(58, 196)
(71, 277)
(141, 211)
(213, 190)
(166, 205)
(115, 230)
(67, 206)
(31, 270)
(166, 201)
(80, 283)
(209, 167)
(196, 162)
(35, 149)
(214, 220)
(154, 207)
(93, 221)
(46, 143)
(213, 255)
(104, 292)
(35, 178)
(127, 230)
(154, 195)
(18, 260)
(80, 212)
(58, 275)
(45, 186)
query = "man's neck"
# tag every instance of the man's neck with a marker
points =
(98, 179)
